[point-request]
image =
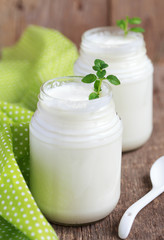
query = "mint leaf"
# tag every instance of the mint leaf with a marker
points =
(101, 73)
(113, 79)
(89, 78)
(93, 95)
(96, 68)
(96, 85)
(137, 29)
(104, 65)
(134, 20)
(99, 64)
(121, 23)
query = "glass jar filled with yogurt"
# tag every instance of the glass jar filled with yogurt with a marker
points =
(75, 147)
(127, 59)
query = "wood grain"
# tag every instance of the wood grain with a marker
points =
(71, 17)
(149, 223)
(151, 12)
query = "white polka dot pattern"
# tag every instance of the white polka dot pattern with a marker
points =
(20, 217)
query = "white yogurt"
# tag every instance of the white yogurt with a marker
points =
(127, 60)
(72, 92)
(75, 147)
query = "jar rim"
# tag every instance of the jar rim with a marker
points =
(74, 104)
(127, 42)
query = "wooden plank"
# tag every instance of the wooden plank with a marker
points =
(77, 16)
(151, 12)
(71, 17)
(149, 223)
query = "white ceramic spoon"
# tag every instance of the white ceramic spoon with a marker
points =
(157, 179)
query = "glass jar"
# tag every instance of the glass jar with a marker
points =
(75, 147)
(127, 59)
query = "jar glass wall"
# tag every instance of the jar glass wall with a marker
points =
(127, 59)
(75, 148)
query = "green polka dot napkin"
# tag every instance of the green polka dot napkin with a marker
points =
(40, 55)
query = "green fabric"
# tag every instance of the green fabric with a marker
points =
(41, 54)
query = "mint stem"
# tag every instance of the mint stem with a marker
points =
(126, 26)
(99, 87)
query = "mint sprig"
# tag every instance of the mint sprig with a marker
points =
(124, 25)
(99, 66)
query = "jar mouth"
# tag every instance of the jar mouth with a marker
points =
(111, 38)
(74, 104)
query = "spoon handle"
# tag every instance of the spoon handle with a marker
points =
(130, 214)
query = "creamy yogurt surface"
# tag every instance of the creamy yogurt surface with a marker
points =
(75, 91)
(110, 37)
(113, 38)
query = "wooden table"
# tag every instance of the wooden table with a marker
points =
(149, 223)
